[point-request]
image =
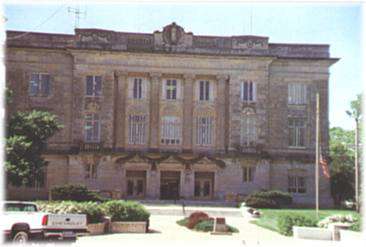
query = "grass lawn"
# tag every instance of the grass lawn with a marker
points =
(269, 217)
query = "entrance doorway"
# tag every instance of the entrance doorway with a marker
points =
(136, 184)
(203, 185)
(169, 185)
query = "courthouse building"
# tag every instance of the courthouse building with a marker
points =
(170, 114)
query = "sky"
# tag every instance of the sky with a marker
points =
(338, 25)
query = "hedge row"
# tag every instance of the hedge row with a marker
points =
(268, 199)
(95, 212)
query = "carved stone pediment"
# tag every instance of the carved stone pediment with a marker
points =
(173, 35)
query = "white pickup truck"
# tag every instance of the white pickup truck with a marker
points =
(21, 221)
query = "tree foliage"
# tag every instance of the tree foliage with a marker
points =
(27, 133)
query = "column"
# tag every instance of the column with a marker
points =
(155, 88)
(222, 127)
(188, 111)
(120, 112)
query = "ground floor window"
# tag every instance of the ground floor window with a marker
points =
(248, 174)
(296, 184)
(90, 171)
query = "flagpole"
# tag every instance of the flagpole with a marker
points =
(317, 157)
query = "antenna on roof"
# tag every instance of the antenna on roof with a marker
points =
(251, 21)
(76, 11)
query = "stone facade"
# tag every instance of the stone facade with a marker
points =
(173, 53)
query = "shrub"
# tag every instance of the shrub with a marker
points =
(125, 211)
(337, 218)
(268, 199)
(75, 193)
(92, 210)
(195, 218)
(286, 222)
(204, 226)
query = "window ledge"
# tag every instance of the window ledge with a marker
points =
(297, 148)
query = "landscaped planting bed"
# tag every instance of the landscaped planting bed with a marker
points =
(282, 220)
(200, 221)
(126, 216)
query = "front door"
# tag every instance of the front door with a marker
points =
(136, 184)
(203, 185)
(169, 185)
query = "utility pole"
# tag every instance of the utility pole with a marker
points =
(317, 157)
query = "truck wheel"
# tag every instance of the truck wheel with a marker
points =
(21, 237)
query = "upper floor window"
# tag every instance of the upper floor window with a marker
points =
(170, 131)
(248, 130)
(248, 91)
(204, 90)
(204, 130)
(171, 89)
(296, 132)
(137, 88)
(92, 127)
(137, 129)
(248, 174)
(93, 85)
(297, 94)
(296, 184)
(39, 84)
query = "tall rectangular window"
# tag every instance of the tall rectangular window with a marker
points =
(248, 174)
(170, 131)
(92, 128)
(171, 89)
(248, 91)
(297, 94)
(248, 130)
(137, 88)
(296, 184)
(39, 84)
(137, 129)
(93, 85)
(204, 90)
(90, 171)
(204, 131)
(296, 132)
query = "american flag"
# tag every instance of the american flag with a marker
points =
(324, 164)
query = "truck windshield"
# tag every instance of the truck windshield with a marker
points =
(19, 207)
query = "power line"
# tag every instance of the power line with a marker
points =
(39, 25)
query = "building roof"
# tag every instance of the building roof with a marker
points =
(172, 39)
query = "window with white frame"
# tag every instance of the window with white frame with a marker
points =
(137, 88)
(137, 129)
(170, 130)
(39, 84)
(90, 171)
(296, 184)
(248, 91)
(92, 127)
(171, 87)
(297, 93)
(248, 130)
(204, 90)
(93, 85)
(296, 132)
(248, 173)
(204, 130)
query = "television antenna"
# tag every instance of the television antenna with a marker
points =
(77, 13)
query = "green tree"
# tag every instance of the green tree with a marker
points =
(27, 133)
(342, 164)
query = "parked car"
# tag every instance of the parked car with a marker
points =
(22, 221)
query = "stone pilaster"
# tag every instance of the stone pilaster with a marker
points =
(234, 110)
(187, 177)
(122, 89)
(188, 111)
(154, 110)
(221, 131)
(152, 184)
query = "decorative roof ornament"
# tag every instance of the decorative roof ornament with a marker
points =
(172, 34)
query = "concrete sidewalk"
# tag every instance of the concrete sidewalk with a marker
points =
(177, 210)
